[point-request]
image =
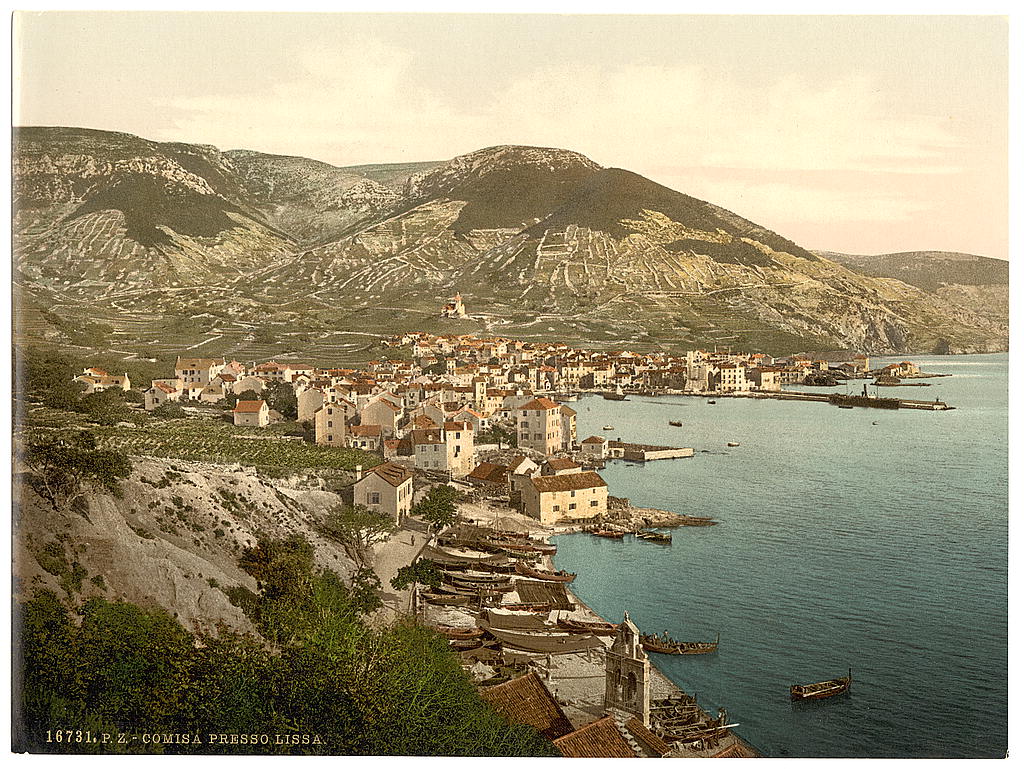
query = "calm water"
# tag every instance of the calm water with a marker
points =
(842, 543)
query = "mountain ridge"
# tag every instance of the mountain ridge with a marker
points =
(242, 246)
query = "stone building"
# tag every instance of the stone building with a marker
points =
(627, 678)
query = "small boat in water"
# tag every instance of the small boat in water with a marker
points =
(664, 645)
(711, 403)
(608, 533)
(732, 444)
(655, 536)
(675, 424)
(607, 427)
(822, 689)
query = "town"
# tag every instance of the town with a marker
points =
(490, 417)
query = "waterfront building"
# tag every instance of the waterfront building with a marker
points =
(595, 447)
(627, 681)
(549, 498)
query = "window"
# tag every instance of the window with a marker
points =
(373, 498)
(572, 493)
(572, 505)
(593, 503)
(330, 423)
(330, 437)
(555, 507)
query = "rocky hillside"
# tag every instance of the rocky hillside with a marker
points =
(171, 540)
(257, 255)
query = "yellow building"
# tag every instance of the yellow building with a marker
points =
(549, 498)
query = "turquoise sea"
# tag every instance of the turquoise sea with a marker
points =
(848, 538)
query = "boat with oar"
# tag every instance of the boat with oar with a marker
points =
(822, 689)
(655, 536)
(664, 645)
(593, 628)
(548, 576)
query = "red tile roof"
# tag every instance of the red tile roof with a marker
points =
(365, 431)
(539, 404)
(600, 739)
(560, 463)
(571, 482)
(249, 407)
(394, 474)
(490, 473)
(525, 700)
(651, 743)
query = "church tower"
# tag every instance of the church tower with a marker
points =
(627, 676)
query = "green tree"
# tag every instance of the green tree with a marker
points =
(280, 396)
(107, 407)
(357, 528)
(64, 469)
(282, 568)
(169, 410)
(364, 591)
(419, 572)
(439, 506)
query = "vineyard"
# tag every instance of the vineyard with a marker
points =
(207, 440)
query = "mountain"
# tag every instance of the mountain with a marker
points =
(929, 270)
(138, 248)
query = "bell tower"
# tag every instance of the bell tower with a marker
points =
(627, 676)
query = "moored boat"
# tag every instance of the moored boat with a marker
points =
(548, 576)
(654, 536)
(608, 533)
(665, 645)
(822, 689)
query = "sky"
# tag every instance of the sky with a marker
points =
(858, 134)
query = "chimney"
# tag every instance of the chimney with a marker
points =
(359, 472)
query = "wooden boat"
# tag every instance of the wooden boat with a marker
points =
(536, 608)
(607, 427)
(822, 689)
(613, 396)
(488, 588)
(654, 536)
(732, 444)
(608, 533)
(446, 600)
(458, 633)
(665, 645)
(483, 579)
(675, 424)
(548, 576)
(711, 403)
(844, 405)
(593, 628)
(530, 546)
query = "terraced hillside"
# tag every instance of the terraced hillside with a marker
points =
(136, 248)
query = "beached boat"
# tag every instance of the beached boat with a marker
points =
(582, 626)
(536, 608)
(654, 536)
(822, 689)
(664, 645)
(458, 633)
(548, 576)
(446, 600)
(674, 423)
(608, 533)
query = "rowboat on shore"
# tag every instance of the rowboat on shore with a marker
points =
(458, 633)
(446, 600)
(822, 689)
(549, 576)
(655, 536)
(536, 608)
(593, 628)
(664, 645)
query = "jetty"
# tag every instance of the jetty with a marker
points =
(860, 401)
(643, 452)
